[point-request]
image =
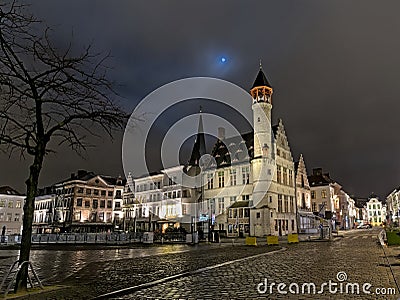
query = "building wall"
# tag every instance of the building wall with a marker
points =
(322, 198)
(376, 212)
(393, 206)
(44, 213)
(11, 213)
(307, 221)
(161, 199)
(220, 194)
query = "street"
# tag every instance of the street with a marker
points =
(233, 272)
(357, 254)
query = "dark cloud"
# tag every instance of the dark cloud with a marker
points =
(334, 67)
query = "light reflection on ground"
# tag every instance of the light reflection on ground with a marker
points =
(54, 265)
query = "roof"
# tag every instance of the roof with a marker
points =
(84, 175)
(239, 147)
(240, 203)
(199, 147)
(318, 178)
(261, 80)
(7, 190)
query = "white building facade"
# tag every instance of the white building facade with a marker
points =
(11, 211)
(160, 201)
(376, 211)
(249, 191)
(393, 206)
(252, 190)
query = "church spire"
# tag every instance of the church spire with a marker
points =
(199, 147)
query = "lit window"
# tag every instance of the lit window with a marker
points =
(279, 174)
(279, 203)
(210, 181)
(245, 175)
(232, 176)
(221, 179)
(285, 176)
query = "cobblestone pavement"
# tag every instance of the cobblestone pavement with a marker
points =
(357, 254)
(68, 259)
(101, 277)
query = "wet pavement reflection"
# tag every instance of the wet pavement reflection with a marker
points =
(54, 265)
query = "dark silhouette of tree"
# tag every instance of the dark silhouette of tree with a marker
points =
(48, 97)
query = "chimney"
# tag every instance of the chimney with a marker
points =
(317, 171)
(73, 176)
(221, 133)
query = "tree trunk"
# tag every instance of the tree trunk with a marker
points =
(29, 206)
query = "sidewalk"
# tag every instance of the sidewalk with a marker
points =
(391, 260)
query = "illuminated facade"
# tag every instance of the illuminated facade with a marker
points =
(308, 222)
(393, 206)
(376, 211)
(86, 202)
(252, 190)
(160, 201)
(324, 201)
(11, 210)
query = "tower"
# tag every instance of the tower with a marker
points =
(263, 160)
(199, 147)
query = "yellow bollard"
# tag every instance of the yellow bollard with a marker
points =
(293, 238)
(252, 241)
(272, 240)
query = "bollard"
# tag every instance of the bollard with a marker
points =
(272, 240)
(293, 238)
(251, 241)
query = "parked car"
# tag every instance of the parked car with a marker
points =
(364, 226)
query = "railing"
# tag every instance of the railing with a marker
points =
(87, 238)
(77, 238)
(171, 237)
(96, 238)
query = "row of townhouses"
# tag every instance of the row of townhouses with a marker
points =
(393, 206)
(253, 186)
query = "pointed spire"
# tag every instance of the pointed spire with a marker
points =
(199, 147)
(261, 79)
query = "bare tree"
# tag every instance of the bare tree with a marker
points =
(47, 95)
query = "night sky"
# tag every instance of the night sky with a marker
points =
(334, 67)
